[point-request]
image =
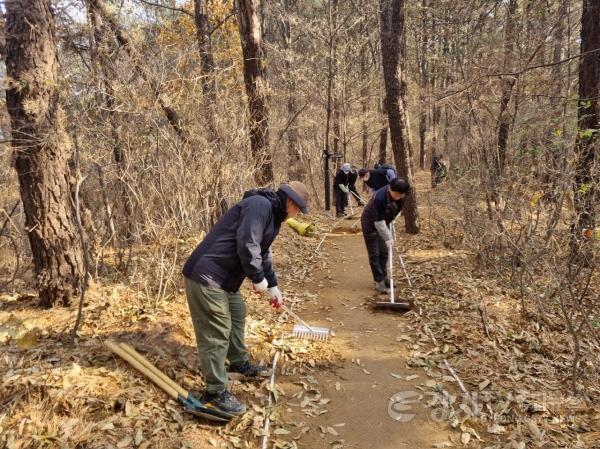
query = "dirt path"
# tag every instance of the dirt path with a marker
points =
(373, 348)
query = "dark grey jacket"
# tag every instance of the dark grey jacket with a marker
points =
(238, 245)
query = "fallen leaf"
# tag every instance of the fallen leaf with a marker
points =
(125, 442)
(332, 431)
(465, 438)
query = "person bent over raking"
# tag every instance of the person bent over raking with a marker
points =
(380, 211)
(237, 247)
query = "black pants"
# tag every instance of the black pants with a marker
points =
(341, 200)
(378, 255)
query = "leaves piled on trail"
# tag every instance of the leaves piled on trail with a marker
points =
(499, 379)
(56, 395)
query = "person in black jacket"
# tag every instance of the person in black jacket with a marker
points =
(341, 184)
(237, 247)
(378, 177)
(352, 178)
(377, 215)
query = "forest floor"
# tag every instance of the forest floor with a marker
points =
(465, 362)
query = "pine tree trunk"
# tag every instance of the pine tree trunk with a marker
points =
(249, 22)
(423, 86)
(207, 65)
(127, 45)
(392, 52)
(42, 150)
(587, 172)
(102, 67)
(508, 83)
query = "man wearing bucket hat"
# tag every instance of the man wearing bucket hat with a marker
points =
(341, 185)
(237, 247)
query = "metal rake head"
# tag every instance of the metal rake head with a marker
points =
(312, 333)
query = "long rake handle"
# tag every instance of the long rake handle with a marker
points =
(295, 315)
(391, 256)
(144, 361)
(142, 368)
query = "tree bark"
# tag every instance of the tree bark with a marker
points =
(42, 150)
(508, 83)
(423, 86)
(136, 59)
(393, 52)
(296, 170)
(102, 67)
(587, 143)
(207, 65)
(249, 22)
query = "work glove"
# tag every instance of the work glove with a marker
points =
(262, 286)
(343, 188)
(384, 232)
(276, 297)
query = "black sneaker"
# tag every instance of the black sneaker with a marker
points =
(247, 369)
(224, 401)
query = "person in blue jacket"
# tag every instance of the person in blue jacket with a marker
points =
(380, 211)
(237, 247)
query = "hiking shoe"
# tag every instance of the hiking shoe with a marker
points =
(387, 282)
(381, 287)
(247, 369)
(223, 401)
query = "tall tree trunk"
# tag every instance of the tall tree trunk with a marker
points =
(508, 83)
(393, 52)
(336, 127)
(102, 66)
(364, 91)
(383, 134)
(163, 100)
(249, 22)
(296, 170)
(42, 149)
(423, 86)
(587, 172)
(217, 202)
(207, 64)
(555, 153)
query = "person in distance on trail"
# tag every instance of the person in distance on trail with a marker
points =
(341, 190)
(377, 215)
(378, 177)
(438, 169)
(237, 247)
(353, 177)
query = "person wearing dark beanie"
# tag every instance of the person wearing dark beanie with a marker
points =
(380, 211)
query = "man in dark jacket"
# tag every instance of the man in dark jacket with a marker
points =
(237, 247)
(341, 190)
(377, 215)
(352, 178)
(379, 177)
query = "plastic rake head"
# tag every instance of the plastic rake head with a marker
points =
(311, 333)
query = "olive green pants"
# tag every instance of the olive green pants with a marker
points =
(219, 318)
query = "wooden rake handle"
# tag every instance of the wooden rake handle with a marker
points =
(143, 365)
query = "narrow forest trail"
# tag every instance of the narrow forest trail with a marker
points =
(373, 347)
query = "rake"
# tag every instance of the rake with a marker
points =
(392, 304)
(304, 330)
